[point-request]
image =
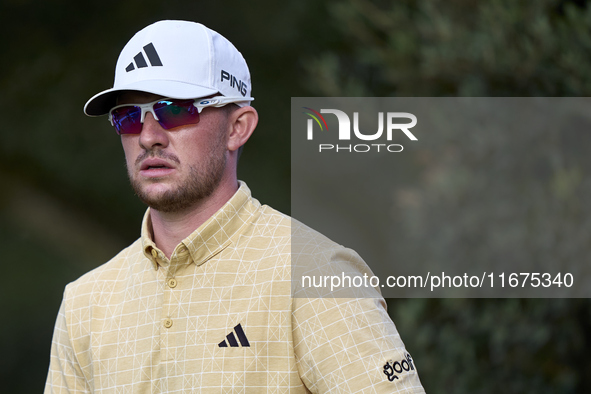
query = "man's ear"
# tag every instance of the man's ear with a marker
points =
(243, 121)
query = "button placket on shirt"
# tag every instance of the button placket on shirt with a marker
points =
(165, 268)
(171, 283)
(172, 323)
(177, 258)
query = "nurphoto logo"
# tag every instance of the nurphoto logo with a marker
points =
(393, 126)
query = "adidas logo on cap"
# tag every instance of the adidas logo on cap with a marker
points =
(140, 60)
(232, 339)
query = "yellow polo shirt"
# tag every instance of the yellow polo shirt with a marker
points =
(219, 316)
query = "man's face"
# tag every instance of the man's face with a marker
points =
(172, 170)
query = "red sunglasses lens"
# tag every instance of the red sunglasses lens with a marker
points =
(127, 120)
(175, 113)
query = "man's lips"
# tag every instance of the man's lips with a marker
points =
(155, 163)
(155, 167)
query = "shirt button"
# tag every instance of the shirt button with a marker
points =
(154, 253)
(167, 322)
(172, 283)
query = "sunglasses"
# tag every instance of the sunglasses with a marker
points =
(169, 112)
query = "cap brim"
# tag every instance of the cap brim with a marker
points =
(101, 103)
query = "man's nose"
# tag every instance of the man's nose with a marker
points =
(152, 134)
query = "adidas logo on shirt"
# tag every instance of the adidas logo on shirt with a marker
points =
(232, 339)
(140, 60)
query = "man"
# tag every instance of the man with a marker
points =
(203, 301)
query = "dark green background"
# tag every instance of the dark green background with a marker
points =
(66, 206)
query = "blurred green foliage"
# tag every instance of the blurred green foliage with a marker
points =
(66, 206)
(455, 48)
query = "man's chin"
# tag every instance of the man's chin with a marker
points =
(167, 203)
(170, 200)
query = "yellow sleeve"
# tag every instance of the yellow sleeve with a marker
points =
(347, 344)
(65, 374)
(351, 345)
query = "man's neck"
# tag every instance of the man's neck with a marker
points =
(170, 228)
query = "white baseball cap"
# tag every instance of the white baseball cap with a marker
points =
(177, 59)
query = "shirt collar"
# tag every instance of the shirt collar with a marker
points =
(212, 236)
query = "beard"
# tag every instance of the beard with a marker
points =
(200, 183)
